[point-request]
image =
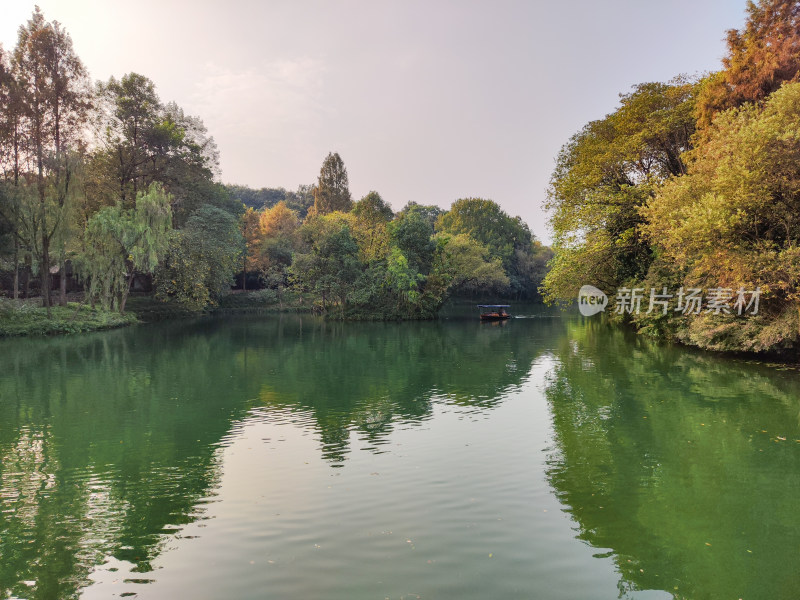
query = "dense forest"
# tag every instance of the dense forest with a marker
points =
(104, 184)
(694, 185)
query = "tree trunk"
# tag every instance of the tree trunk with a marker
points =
(63, 280)
(244, 273)
(125, 293)
(45, 270)
(16, 268)
(28, 277)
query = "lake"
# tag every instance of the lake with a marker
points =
(285, 457)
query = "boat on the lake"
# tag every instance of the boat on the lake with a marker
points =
(494, 312)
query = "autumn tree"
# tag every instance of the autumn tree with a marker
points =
(761, 56)
(734, 220)
(332, 191)
(278, 226)
(278, 221)
(53, 87)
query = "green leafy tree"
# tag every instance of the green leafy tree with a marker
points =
(121, 242)
(507, 239)
(430, 213)
(603, 175)
(487, 223)
(372, 209)
(143, 140)
(201, 260)
(331, 267)
(412, 233)
(129, 120)
(369, 227)
(403, 280)
(470, 265)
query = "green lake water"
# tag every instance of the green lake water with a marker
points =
(285, 457)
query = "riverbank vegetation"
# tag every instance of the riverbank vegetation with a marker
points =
(22, 317)
(694, 184)
(106, 190)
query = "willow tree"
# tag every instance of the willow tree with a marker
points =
(121, 242)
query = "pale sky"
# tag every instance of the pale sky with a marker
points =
(426, 101)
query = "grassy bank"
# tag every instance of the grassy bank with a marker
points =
(147, 308)
(30, 318)
(266, 301)
(27, 317)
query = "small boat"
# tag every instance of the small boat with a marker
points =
(494, 312)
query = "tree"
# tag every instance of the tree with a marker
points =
(734, 220)
(121, 242)
(12, 109)
(278, 226)
(278, 221)
(369, 227)
(507, 239)
(143, 141)
(332, 192)
(403, 280)
(301, 201)
(129, 115)
(603, 175)
(470, 266)
(762, 56)
(429, 213)
(331, 267)
(412, 233)
(201, 260)
(372, 209)
(251, 233)
(54, 91)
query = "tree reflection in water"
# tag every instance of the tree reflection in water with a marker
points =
(109, 443)
(683, 466)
